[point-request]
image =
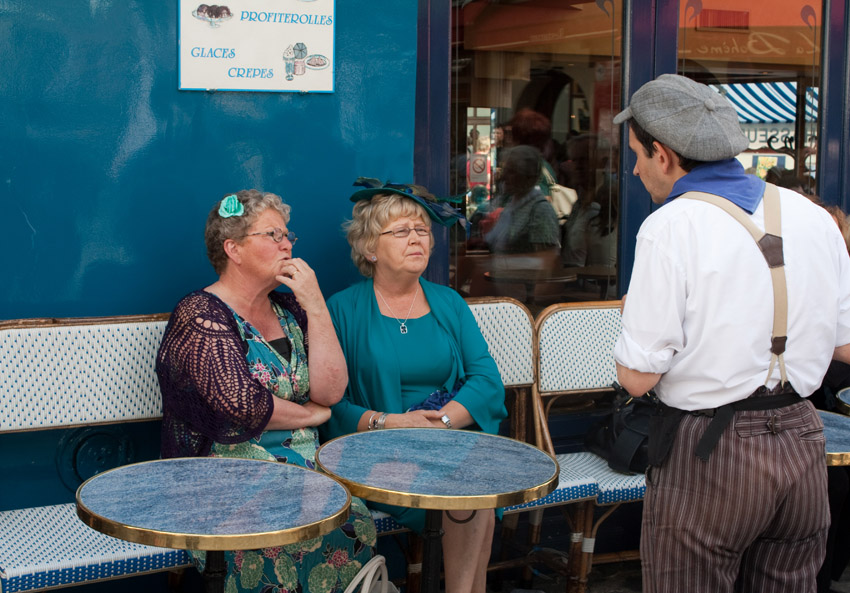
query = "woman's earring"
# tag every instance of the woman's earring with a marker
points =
(374, 258)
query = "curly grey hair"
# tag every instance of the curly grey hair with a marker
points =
(369, 218)
(219, 229)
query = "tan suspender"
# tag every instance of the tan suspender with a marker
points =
(770, 244)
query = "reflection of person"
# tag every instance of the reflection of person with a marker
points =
(838, 477)
(385, 325)
(238, 380)
(590, 233)
(530, 128)
(528, 223)
(745, 507)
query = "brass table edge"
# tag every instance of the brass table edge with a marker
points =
(835, 459)
(445, 502)
(210, 543)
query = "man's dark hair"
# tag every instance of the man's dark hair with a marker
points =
(647, 140)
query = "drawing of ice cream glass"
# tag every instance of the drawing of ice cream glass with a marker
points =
(300, 51)
(289, 61)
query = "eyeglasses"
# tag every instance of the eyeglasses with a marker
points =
(405, 231)
(277, 235)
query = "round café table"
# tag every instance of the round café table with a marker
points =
(437, 470)
(213, 504)
(842, 401)
(836, 429)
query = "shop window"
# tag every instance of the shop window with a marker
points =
(535, 86)
(765, 57)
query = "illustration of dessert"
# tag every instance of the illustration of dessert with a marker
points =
(297, 60)
(289, 61)
(212, 13)
(317, 62)
(300, 51)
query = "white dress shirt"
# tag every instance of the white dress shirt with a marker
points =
(700, 304)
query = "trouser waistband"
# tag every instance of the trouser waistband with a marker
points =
(760, 399)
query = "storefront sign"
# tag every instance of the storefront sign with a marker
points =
(257, 45)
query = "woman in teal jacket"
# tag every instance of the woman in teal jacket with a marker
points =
(415, 355)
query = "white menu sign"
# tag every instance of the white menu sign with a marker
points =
(257, 45)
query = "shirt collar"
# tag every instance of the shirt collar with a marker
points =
(726, 179)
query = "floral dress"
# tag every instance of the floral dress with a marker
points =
(320, 565)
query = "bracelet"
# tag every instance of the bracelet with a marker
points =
(369, 424)
(382, 419)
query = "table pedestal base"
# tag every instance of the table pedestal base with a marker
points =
(215, 570)
(432, 550)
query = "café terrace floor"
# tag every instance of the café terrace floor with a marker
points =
(619, 533)
(624, 577)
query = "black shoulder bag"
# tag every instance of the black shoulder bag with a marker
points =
(621, 438)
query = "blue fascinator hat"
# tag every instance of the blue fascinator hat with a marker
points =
(438, 209)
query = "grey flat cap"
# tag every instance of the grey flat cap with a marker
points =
(689, 117)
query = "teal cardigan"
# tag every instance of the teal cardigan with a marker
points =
(373, 368)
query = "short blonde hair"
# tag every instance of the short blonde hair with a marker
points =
(219, 229)
(369, 218)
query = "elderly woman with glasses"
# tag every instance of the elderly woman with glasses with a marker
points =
(415, 355)
(247, 371)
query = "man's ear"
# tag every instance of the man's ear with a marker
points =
(667, 159)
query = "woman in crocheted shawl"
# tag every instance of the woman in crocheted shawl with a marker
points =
(239, 380)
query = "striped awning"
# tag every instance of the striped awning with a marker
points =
(768, 102)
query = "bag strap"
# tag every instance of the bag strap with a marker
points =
(769, 242)
(550, 179)
(624, 448)
(367, 576)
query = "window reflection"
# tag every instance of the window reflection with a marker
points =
(536, 78)
(765, 57)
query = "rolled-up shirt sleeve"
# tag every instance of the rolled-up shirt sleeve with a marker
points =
(652, 324)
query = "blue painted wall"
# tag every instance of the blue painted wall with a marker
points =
(108, 171)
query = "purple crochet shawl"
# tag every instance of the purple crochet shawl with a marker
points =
(208, 393)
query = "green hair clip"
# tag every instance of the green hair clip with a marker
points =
(231, 206)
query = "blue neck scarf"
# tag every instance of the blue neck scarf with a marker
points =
(726, 179)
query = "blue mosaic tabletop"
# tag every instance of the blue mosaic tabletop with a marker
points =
(439, 469)
(836, 429)
(212, 503)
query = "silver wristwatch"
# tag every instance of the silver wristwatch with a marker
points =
(446, 420)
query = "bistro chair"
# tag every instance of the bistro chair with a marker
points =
(508, 328)
(574, 349)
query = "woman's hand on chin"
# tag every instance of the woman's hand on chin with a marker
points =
(301, 280)
(415, 419)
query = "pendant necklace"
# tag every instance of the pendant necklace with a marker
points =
(402, 325)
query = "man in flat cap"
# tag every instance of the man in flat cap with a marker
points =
(732, 335)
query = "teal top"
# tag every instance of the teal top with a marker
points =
(375, 363)
(381, 361)
(418, 372)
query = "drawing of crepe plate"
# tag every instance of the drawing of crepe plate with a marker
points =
(317, 62)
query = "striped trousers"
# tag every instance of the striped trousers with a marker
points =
(752, 519)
